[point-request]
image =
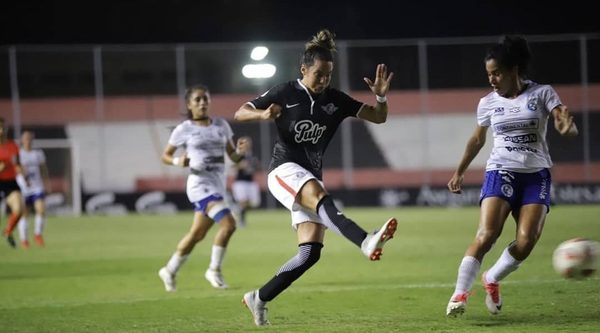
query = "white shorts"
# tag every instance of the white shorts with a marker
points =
(198, 188)
(284, 183)
(244, 190)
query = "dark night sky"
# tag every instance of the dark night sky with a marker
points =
(186, 21)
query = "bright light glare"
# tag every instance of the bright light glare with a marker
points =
(259, 53)
(258, 71)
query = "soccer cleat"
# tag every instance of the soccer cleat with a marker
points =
(11, 241)
(25, 244)
(457, 305)
(39, 240)
(215, 278)
(168, 279)
(372, 246)
(493, 300)
(256, 307)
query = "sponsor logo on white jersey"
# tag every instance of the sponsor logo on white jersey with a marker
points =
(522, 124)
(532, 103)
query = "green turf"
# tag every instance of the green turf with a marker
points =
(99, 274)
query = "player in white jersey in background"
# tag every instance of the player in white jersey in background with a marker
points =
(206, 141)
(517, 177)
(33, 185)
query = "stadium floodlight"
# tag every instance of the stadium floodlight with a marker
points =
(259, 53)
(258, 71)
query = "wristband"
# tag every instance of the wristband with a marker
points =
(175, 161)
(381, 99)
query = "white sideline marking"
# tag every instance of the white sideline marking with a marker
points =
(296, 289)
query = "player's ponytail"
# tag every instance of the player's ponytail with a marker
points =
(320, 47)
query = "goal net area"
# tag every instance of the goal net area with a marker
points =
(62, 159)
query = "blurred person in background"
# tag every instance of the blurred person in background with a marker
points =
(206, 140)
(244, 188)
(517, 176)
(307, 113)
(33, 186)
(10, 170)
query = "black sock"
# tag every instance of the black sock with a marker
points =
(335, 220)
(308, 255)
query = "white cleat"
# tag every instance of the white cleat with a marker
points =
(372, 246)
(167, 278)
(493, 299)
(215, 278)
(457, 305)
(257, 308)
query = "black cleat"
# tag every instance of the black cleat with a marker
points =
(11, 241)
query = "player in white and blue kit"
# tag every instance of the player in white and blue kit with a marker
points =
(517, 177)
(33, 185)
(205, 141)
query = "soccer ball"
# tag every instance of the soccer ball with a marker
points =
(576, 258)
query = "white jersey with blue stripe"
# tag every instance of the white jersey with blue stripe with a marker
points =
(31, 161)
(519, 128)
(205, 146)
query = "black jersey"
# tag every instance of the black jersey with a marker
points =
(250, 165)
(307, 122)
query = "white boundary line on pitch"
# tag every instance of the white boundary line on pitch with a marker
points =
(295, 290)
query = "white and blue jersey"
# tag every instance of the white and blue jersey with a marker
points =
(31, 162)
(517, 169)
(205, 146)
(519, 128)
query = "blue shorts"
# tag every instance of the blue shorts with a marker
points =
(517, 188)
(200, 206)
(31, 199)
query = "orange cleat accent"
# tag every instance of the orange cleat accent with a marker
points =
(493, 300)
(39, 240)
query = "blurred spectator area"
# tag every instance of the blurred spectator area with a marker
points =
(119, 104)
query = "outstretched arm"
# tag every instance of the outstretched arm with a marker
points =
(247, 113)
(563, 121)
(378, 113)
(474, 145)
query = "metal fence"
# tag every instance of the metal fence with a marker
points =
(420, 65)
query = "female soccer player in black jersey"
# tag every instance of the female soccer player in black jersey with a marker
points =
(307, 112)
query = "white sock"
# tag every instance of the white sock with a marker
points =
(22, 229)
(176, 262)
(505, 265)
(216, 257)
(467, 271)
(40, 222)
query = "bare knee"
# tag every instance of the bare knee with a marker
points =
(227, 229)
(196, 237)
(310, 194)
(523, 246)
(483, 242)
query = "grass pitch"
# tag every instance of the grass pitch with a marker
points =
(99, 274)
